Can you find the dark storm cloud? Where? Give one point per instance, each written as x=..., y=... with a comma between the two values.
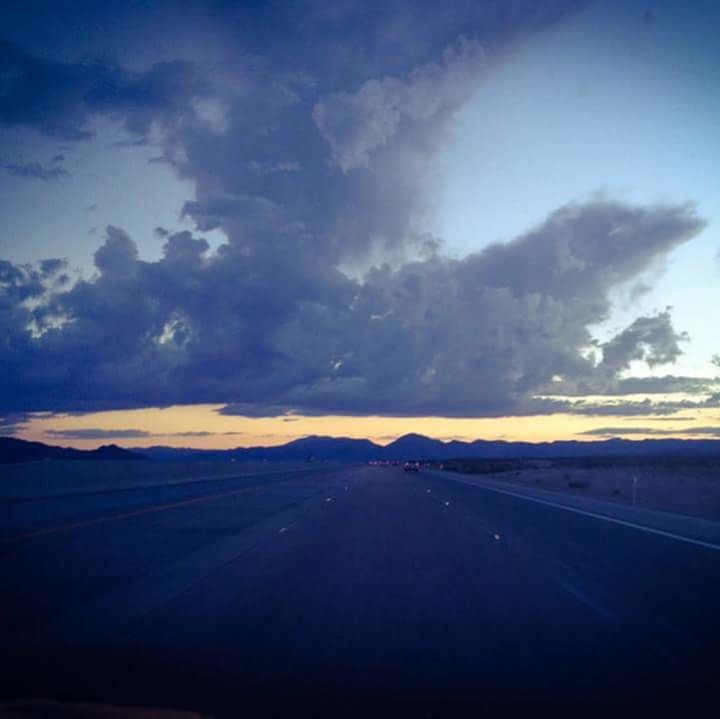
x=347, y=41
x=478, y=336
x=328, y=294
x=357, y=124
x=323, y=147
x=36, y=170
x=60, y=98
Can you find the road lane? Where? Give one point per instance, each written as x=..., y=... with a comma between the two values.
x=682, y=528
x=26, y=516
x=105, y=551
x=119, y=516
x=398, y=594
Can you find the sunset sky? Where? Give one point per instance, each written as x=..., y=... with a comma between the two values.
x=241, y=223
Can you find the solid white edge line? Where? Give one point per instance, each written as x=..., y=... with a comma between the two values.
x=624, y=523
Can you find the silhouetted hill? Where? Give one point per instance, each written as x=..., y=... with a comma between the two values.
x=19, y=450
x=410, y=446
x=315, y=448
x=416, y=446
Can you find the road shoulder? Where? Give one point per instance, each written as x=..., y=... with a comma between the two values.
x=702, y=532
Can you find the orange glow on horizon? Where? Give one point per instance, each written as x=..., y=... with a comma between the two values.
x=202, y=427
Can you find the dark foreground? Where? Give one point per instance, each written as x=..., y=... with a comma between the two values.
x=357, y=592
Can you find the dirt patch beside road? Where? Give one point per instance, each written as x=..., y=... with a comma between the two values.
x=675, y=485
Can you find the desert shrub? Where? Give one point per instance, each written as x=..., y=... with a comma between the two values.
x=578, y=484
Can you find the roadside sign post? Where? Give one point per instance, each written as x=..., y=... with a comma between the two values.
x=634, y=492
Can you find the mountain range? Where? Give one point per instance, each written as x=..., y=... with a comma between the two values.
x=409, y=446
x=417, y=446
x=13, y=450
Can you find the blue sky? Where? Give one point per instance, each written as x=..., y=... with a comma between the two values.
x=74, y=210
x=608, y=104
x=297, y=210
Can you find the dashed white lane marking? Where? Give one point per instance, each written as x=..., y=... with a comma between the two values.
x=595, y=515
x=428, y=491
x=496, y=537
x=447, y=504
x=329, y=499
x=282, y=529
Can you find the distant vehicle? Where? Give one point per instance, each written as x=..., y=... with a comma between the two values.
x=411, y=466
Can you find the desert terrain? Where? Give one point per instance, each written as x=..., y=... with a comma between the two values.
x=681, y=485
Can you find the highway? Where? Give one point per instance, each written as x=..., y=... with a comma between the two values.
x=358, y=591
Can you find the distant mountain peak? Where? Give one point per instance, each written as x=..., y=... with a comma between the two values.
x=414, y=436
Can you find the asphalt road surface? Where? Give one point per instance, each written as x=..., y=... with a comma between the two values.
x=364, y=591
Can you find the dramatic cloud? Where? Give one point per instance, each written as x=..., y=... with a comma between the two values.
x=478, y=336
x=356, y=124
x=326, y=149
x=651, y=339
x=328, y=293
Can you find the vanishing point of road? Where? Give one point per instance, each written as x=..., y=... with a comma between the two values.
x=359, y=591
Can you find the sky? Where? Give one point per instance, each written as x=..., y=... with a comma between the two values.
x=241, y=223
